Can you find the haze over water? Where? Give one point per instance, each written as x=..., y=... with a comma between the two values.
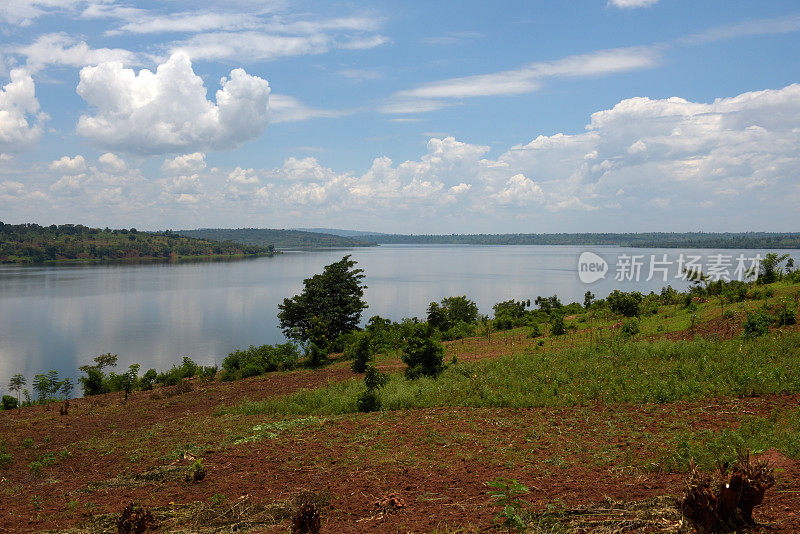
x=60, y=317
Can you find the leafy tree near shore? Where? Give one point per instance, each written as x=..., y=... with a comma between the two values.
x=360, y=352
x=94, y=383
x=335, y=298
x=423, y=355
x=16, y=384
x=626, y=304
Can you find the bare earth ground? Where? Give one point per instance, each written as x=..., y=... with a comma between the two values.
x=436, y=461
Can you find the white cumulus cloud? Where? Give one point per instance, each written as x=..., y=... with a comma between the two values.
x=167, y=110
x=68, y=165
x=185, y=164
x=20, y=116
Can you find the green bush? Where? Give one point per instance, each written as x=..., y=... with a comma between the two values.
x=626, y=304
x=756, y=325
x=6, y=458
x=94, y=383
x=255, y=361
x=786, y=316
x=459, y=331
x=423, y=355
x=503, y=322
x=557, y=325
x=535, y=331
x=9, y=402
x=148, y=379
x=369, y=400
x=359, y=352
x=630, y=327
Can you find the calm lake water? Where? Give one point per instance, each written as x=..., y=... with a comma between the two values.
x=60, y=317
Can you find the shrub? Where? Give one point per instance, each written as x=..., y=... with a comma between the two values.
x=147, y=380
x=786, y=316
x=369, y=400
x=630, y=327
x=557, y=325
x=94, y=382
x=9, y=402
x=6, y=458
x=360, y=352
x=510, y=308
x=626, y=304
x=459, y=331
x=259, y=360
x=423, y=355
x=451, y=311
x=535, y=331
x=503, y=322
x=756, y=325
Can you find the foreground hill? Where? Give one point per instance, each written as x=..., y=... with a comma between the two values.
x=31, y=243
x=601, y=427
x=281, y=239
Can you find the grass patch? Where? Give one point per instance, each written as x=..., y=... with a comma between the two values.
x=781, y=431
x=621, y=371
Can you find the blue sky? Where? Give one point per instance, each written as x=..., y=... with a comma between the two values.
x=592, y=115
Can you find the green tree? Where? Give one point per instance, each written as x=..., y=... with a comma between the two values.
x=437, y=317
x=66, y=388
x=769, y=268
x=359, y=352
x=588, y=298
x=41, y=385
x=95, y=383
x=460, y=309
x=129, y=379
x=423, y=355
x=557, y=324
x=623, y=303
x=369, y=400
x=16, y=383
x=451, y=311
x=335, y=297
x=55, y=383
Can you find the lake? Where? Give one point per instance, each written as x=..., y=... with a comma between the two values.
x=60, y=317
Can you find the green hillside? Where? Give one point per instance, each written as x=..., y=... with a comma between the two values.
x=31, y=243
x=280, y=239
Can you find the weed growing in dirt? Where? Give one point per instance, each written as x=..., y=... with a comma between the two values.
x=706, y=448
x=507, y=495
x=6, y=458
x=197, y=472
x=272, y=430
x=47, y=460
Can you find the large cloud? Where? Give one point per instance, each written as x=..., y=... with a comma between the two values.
x=167, y=111
x=644, y=164
x=20, y=119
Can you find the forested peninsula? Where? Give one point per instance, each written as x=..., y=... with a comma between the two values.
x=31, y=243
